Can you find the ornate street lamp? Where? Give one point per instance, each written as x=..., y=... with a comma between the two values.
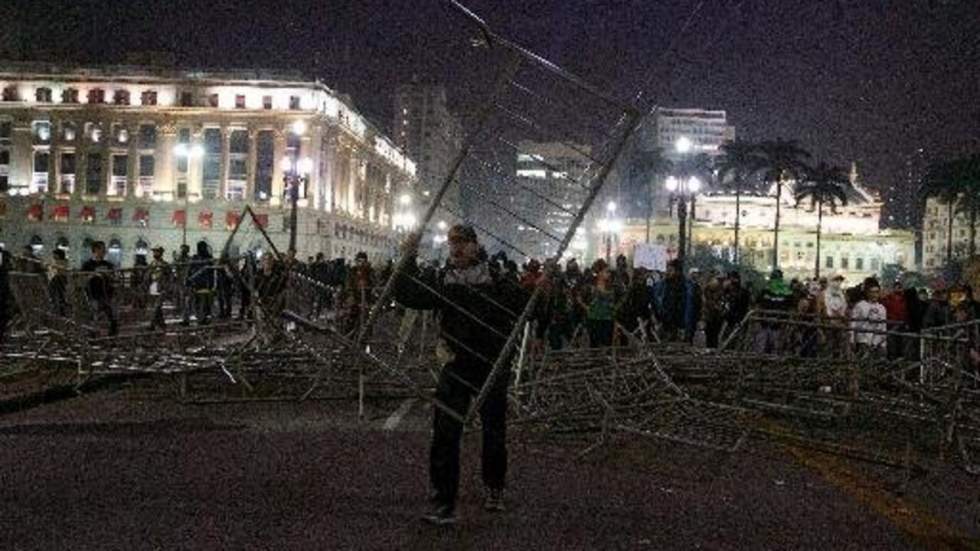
x=681, y=190
x=295, y=174
x=187, y=152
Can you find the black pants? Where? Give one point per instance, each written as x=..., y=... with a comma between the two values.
x=459, y=382
x=600, y=333
x=105, y=308
x=712, y=330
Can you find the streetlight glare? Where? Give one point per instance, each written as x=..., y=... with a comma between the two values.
x=286, y=164
x=671, y=183
x=443, y=225
x=299, y=128
x=694, y=184
x=611, y=206
x=305, y=166
x=405, y=199
x=683, y=144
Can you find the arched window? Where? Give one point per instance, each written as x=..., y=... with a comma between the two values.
x=37, y=244
x=62, y=243
x=114, y=252
x=142, y=247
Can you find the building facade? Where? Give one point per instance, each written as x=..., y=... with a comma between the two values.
x=938, y=235
x=432, y=136
x=851, y=242
x=551, y=177
x=140, y=157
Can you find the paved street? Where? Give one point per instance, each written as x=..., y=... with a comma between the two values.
x=122, y=469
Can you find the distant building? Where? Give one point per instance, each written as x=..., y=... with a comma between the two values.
x=425, y=129
x=137, y=156
x=936, y=236
x=552, y=177
x=851, y=242
x=678, y=133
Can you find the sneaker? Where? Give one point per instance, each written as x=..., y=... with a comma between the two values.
x=441, y=515
x=494, y=501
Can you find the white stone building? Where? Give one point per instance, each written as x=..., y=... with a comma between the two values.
x=141, y=156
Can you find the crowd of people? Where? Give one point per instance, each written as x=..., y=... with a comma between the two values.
x=597, y=306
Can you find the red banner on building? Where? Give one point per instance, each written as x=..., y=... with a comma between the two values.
x=60, y=213
x=141, y=215
x=179, y=218
x=262, y=220
x=231, y=219
x=205, y=219
x=35, y=212
x=114, y=214
x=88, y=215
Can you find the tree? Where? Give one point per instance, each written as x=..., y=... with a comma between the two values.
x=781, y=160
x=823, y=184
x=940, y=182
x=647, y=165
x=739, y=160
x=966, y=178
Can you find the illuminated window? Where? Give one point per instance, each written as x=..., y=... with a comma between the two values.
x=68, y=131
x=42, y=132
x=69, y=95
x=42, y=95
x=67, y=173
x=120, y=173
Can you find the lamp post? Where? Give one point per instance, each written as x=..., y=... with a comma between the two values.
x=187, y=152
x=681, y=189
x=295, y=173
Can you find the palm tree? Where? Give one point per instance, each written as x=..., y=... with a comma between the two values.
x=824, y=184
x=647, y=165
x=940, y=182
x=739, y=160
x=966, y=174
x=781, y=160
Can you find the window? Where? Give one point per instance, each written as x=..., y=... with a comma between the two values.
x=266, y=102
x=93, y=131
x=4, y=170
x=237, y=165
x=120, y=97
x=148, y=97
x=845, y=263
x=41, y=131
x=213, y=100
x=264, y=164
x=93, y=174
x=39, y=182
x=96, y=95
x=211, y=185
x=42, y=95
x=294, y=103
x=186, y=99
x=67, y=173
x=10, y=93
x=875, y=264
x=5, y=128
x=120, y=134
x=68, y=131
x=240, y=101
x=147, y=166
x=69, y=95
x=829, y=262
x=120, y=173
x=184, y=139
x=859, y=263
x=114, y=252
x=148, y=136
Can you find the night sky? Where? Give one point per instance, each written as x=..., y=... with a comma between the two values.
x=860, y=80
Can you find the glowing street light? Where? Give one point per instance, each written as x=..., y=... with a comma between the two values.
x=405, y=200
x=683, y=144
x=298, y=127
x=187, y=152
x=294, y=173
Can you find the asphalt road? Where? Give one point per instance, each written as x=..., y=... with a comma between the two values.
x=123, y=469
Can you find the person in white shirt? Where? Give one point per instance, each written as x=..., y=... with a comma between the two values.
x=832, y=307
x=869, y=315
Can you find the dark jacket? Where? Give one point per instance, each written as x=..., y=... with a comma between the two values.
x=100, y=284
x=477, y=310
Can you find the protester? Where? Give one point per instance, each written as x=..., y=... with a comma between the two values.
x=100, y=285
x=475, y=318
x=869, y=315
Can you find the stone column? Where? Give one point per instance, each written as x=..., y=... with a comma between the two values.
x=225, y=151
x=164, y=178
x=329, y=173
x=306, y=150
x=279, y=153
x=21, y=154
x=252, y=167
x=133, y=170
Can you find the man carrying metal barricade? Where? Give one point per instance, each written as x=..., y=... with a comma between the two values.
x=477, y=312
